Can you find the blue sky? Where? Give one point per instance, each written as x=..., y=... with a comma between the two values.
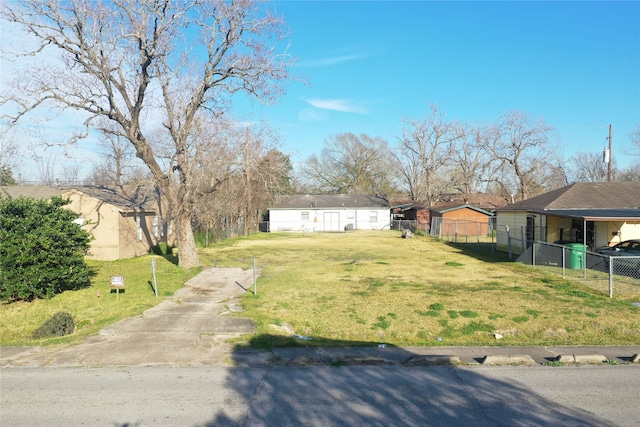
x=370, y=64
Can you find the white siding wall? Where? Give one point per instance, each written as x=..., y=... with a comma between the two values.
x=310, y=220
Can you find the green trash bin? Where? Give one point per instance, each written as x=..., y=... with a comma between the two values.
x=575, y=256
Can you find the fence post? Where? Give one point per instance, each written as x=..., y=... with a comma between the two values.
x=564, y=274
x=611, y=261
x=153, y=270
x=255, y=286
x=533, y=253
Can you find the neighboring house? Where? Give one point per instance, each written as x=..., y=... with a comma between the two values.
x=459, y=219
x=329, y=212
x=595, y=213
x=125, y=222
x=472, y=207
x=409, y=210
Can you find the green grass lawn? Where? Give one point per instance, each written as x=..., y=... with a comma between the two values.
x=95, y=307
x=358, y=288
x=374, y=287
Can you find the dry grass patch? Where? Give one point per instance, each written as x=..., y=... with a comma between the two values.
x=371, y=287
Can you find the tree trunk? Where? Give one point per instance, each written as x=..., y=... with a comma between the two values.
x=187, y=251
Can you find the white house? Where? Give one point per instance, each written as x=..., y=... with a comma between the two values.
x=594, y=213
x=330, y=213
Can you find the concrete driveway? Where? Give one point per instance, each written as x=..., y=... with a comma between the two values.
x=190, y=328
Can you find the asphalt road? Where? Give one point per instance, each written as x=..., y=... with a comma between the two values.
x=321, y=396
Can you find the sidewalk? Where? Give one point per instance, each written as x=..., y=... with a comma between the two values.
x=191, y=329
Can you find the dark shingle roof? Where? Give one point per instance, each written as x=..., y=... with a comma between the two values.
x=481, y=200
x=328, y=201
x=142, y=198
x=139, y=198
x=584, y=195
x=37, y=192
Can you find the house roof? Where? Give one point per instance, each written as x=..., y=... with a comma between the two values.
x=454, y=206
x=134, y=198
x=139, y=198
x=590, y=201
x=584, y=195
x=487, y=202
x=481, y=200
x=31, y=191
x=328, y=201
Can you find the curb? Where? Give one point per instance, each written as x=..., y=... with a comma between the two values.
x=360, y=361
x=430, y=360
x=582, y=358
x=517, y=359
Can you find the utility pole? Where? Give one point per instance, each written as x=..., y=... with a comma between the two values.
x=610, y=156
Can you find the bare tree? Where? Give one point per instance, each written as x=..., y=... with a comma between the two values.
x=239, y=173
x=70, y=174
x=630, y=173
x=635, y=140
x=116, y=160
x=524, y=154
x=426, y=147
x=350, y=163
x=46, y=169
x=8, y=157
x=264, y=172
x=137, y=63
x=413, y=177
x=472, y=163
x=588, y=166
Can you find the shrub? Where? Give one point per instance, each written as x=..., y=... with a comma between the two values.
x=58, y=325
x=41, y=249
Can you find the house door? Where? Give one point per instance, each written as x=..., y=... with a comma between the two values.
x=331, y=221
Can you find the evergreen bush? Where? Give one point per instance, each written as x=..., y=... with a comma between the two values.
x=58, y=325
x=41, y=249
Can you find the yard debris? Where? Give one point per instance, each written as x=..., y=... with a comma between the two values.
x=302, y=337
x=498, y=336
x=407, y=234
x=285, y=327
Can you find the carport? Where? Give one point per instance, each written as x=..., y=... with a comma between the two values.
x=593, y=227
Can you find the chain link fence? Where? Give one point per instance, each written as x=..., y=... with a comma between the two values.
x=603, y=273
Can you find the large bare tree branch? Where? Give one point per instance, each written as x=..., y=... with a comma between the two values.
x=141, y=62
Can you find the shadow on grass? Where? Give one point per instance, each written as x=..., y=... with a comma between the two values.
x=166, y=252
x=482, y=251
x=270, y=341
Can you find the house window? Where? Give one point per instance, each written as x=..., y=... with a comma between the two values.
x=373, y=216
x=138, y=227
x=304, y=215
